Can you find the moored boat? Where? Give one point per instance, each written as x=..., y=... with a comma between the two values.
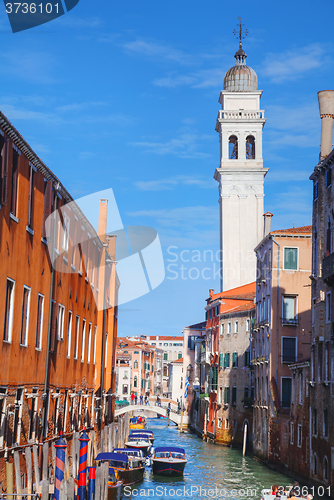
x=114, y=486
x=143, y=432
x=127, y=471
x=140, y=442
x=132, y=453
x=169, y=461
x=137, y=422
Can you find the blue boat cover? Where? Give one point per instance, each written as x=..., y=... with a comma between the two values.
x=112, y=456
x=127, y=450
x=136, y=436
x=169, y=448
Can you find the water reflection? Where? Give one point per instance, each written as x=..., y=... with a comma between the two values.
x=211, y=472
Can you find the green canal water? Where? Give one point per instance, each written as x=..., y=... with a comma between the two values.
x=212, y=471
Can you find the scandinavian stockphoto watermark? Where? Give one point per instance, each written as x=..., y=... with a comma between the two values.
x=78, y=232
x=31, y=13
x=191, y=491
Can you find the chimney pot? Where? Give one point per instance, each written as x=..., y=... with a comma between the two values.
x=326, y=108
x=267, y=223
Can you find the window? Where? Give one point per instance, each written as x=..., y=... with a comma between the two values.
x=165, y=356
x=227, y=360
x=69, y=334
x=66, y=231
x=60, y=325
x=135, y=364
x=76, y=343
x=125, y=376
x=313, y=363
x=327, y=362
x=235, y=360
x=314, y=423
x=3, y=395
x=226, y=424
x=89, y=341
x=325, y=424
x=325, y=471
x=217, y=310
x=247, y=358
x=299, y=434
x=106, y=352
x=25, y=316
x=328, y=307
x=328, y=177
x=328, y=239
x=229, y=327
x=222, y=329
x=179, y=355
x=226, y=395
x=135, y=381
x=236, y=326
x=290, y=258
x=320, y=365
x=234, y=395
x=315, y=190
x=301, y=387
x=286, y=392
x=18, y=416
x=315, y=464
x=247, y=325
x=33, y=415
x=289, y=310
x=233, y=147
x=31, y=196
x=289, y=349
x=250, y=148
x=291, y=432
x=3, y=169
x=15, y=175
x=95, y=339
x=125, y=388
x=39, y=324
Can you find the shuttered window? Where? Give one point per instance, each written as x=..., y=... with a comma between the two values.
x=235, y=360
x=226, y=395
x=221, y=360
x=234, y=395
x=53, y=326
x=15, y=175
x=290, y=258
x=31, y=196
x=227, y=360
x=47, y=209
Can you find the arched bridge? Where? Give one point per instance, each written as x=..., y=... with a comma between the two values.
x=159, y=410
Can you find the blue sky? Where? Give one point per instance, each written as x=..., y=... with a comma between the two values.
x=124, y=95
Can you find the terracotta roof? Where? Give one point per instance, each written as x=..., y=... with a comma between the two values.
x=242, y=308
x=294, y=230
x=163, y=337
x=178, y=360
x=244, y=292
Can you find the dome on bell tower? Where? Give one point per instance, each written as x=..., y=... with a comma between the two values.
x=240, y=78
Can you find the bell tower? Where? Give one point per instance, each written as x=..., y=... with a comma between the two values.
x=241, y=173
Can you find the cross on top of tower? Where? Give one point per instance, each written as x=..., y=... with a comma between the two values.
x=240, y=33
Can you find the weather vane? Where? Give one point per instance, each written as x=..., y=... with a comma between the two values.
x=239, y=33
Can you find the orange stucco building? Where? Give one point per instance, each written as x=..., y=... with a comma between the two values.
x=58, y=323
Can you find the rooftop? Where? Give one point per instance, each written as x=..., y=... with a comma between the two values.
x=294, y=230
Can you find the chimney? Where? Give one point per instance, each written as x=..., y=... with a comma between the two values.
x=267, y=223
x=211, y=292
x=326, y=108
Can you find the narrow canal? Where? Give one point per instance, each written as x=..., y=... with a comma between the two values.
x=212, y=471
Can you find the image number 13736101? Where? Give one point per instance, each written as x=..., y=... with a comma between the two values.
x=32, y=13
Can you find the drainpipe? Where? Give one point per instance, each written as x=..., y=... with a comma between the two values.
x=277, y=311
x=105, y=245
x=53, y=227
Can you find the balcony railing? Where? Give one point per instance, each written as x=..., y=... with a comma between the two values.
x=328, y=269
x=290, y=321
x=240, y=115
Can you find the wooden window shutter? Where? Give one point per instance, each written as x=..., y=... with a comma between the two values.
x=53, y=327
x=31, y=196
x=47, y=209
x=15, y=174
x=4, y=145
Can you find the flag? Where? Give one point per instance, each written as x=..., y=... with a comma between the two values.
x=186, y=385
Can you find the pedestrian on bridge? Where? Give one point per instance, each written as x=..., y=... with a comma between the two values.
x=136, y=399
x=132, y=398
x=141, y=399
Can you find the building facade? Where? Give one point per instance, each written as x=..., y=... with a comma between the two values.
x=57, y=354
x=321, y=397
x=281, y=336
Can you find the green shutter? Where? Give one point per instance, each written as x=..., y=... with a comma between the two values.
x=226, y=395
x=227, y=360
x=290, y=258
x=235, y=359
x=221, y=360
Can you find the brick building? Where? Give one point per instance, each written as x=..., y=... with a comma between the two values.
x=57, y=345
x=228, y=385
x=322, y=351
x=281, y=336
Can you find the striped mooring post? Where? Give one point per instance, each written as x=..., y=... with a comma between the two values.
x=82, y=486
x=60, y=463
x=83, y=451
x=91, y=483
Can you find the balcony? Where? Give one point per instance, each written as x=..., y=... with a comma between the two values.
x=328, y=269
x=205, y=358
x=289, y=321
x=240, y=114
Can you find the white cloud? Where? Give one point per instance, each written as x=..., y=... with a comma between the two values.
x=294, y=63
x=35, y=66
x=159, y=51
x=185, y=146
x=183, y=217
x=206, y=78
x=166, y=184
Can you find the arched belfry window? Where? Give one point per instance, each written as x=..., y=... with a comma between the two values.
x=250, y=147
x=233, y=147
